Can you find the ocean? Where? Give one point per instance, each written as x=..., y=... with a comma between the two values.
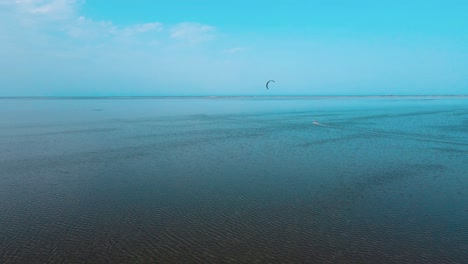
x=234, y=180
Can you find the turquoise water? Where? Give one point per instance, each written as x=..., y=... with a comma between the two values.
x=234, y=180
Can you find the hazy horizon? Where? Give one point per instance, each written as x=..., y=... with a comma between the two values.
x=242, y=95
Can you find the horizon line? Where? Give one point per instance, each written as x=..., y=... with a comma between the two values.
x=228, y=96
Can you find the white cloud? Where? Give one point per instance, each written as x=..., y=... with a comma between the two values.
x=86, y=28
x=51, y=9
x=7, y=2
x=142, y=28
x=51, y=44
x=63, y=17
x=234, y=50
x=192, y=32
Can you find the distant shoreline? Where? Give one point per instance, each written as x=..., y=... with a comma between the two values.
x=242, y=97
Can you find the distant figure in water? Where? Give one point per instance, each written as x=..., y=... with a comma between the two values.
x=319, y=124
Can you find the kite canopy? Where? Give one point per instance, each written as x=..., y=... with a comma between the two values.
x=269, y=83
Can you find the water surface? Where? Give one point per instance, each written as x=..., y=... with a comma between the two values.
x=234, y=180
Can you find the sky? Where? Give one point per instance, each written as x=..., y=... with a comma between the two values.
x=201, y=47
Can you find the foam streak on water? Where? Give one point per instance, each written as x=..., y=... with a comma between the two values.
x=234, y=180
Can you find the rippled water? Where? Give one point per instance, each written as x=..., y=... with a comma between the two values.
x=234, y=180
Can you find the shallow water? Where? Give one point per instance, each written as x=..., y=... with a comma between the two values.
x=234, y=180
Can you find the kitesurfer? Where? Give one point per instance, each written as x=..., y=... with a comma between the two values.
x=269, y=83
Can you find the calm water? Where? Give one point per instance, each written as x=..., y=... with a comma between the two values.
x=234, y=180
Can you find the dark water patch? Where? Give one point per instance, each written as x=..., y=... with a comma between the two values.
x=457, y=128
x=124, y=153
x=421, y=137
x=395, y=134
x=403, y=171
x=65, y=132
x=274, y=115
x=33, y=125
x=352, y=120
x=460, y=114
x=356, y=184
x=175, y=220
x=187, y=223
x=337, y=139
x=239, y=127
x=451, y=150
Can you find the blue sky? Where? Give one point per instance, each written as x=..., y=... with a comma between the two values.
x=201, y=47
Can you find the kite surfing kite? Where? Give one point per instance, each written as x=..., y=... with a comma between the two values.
x=269, y=83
